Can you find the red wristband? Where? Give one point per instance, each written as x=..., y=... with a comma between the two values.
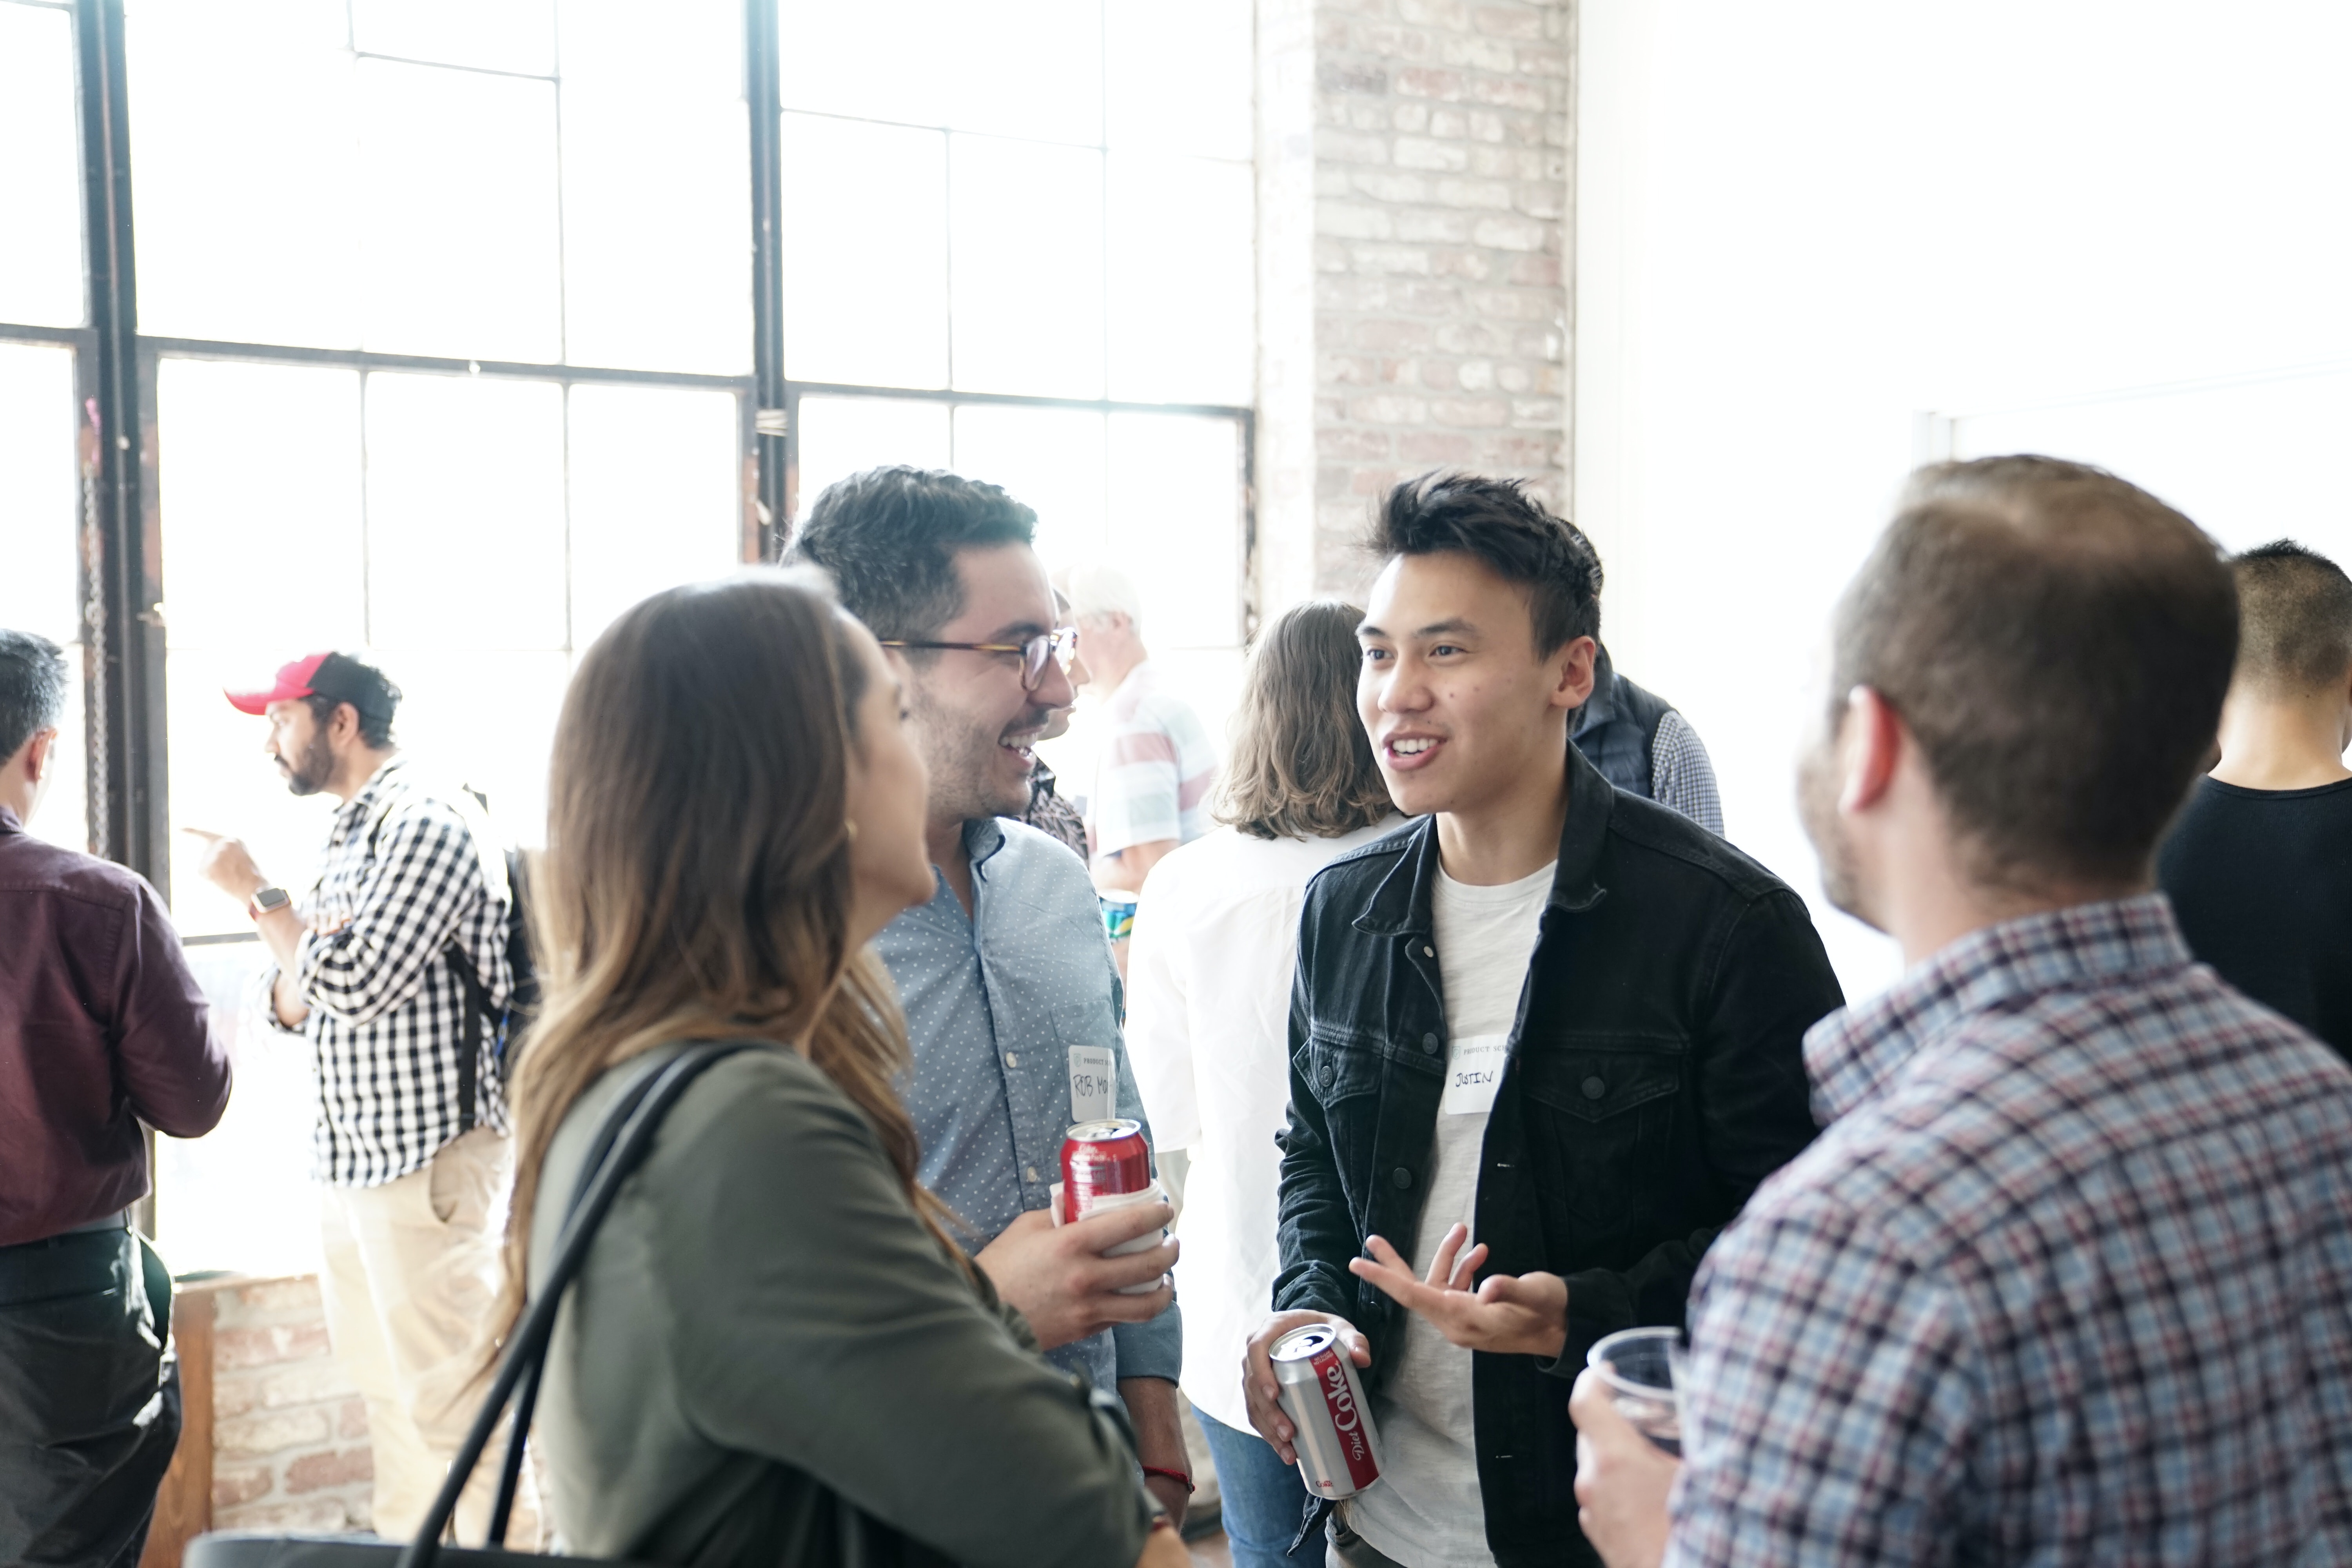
x=1177, y=1476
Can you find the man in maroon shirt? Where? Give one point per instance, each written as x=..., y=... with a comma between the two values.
x=101, y=1028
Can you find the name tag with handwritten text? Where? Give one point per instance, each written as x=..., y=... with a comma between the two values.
x=1473, y=1072
x=1092, y=1087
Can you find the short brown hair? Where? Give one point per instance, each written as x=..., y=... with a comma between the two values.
x=2059, y=642
x=2294, y=618
x=1302, y=766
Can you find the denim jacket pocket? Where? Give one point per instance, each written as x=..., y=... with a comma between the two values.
x=1601, y=1122
x=1344, y=1072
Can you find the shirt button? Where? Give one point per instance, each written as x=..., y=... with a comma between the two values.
x=1594, y=1089
x=1401, y=1177
x=1028, y=1172
x=1429, y=1044
x=1013, y=1059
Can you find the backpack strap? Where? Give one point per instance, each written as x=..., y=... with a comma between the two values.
x=627, y=1131
x=470, y=1033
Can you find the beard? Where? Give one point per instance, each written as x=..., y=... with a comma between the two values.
x=309, y=775
x=963, y=758
x=1817, y=804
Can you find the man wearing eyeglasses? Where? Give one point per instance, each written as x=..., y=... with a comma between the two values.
x=1010, y=999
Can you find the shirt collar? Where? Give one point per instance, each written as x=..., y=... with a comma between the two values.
x=354, y=810
x=982, y=838
x=1857, y=1053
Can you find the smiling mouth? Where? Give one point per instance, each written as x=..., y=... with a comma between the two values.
x=1410, y=751
x=1023, y=745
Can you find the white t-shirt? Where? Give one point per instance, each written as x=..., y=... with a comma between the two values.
x=1208, y=1031
x=1426, y=1512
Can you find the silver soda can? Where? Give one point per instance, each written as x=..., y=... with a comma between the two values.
x=1338, y=1448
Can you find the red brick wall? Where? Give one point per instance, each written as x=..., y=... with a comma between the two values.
x=290, y=1433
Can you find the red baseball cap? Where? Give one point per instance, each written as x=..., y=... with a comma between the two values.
x=334, y=674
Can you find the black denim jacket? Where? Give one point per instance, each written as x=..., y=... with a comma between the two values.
x=1655, y=1076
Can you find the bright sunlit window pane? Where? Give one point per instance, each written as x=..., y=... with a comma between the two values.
x=655, y=500
x=487, y=719
x=40, y=186
x=1025, y=67
x=1051, y=459
x=464, y=508
x=875, y=62
x=491, y=34
x=1176, y=525
x=1182, y=293
x=248, y=156
x=1026, y=227
x=1179, y=76
x=39, y=514
x=866, y=253
x=843, y=435
x=657, y=221
x=261, y=500
x=458, y=244
x=262, y=564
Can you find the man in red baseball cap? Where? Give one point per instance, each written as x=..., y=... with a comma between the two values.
x=393, y=966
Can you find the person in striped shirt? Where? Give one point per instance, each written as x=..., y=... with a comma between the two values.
x=1157, y=765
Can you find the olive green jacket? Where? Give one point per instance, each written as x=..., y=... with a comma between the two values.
x=767, y=1359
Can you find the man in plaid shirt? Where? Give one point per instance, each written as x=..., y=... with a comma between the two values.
x=380, y=964
x=2069, y=1277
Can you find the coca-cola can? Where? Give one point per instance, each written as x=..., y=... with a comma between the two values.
x=1100, y=1160
x=1338, y=1448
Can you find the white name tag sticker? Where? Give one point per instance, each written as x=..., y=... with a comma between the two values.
x=1473, y=1073
x=1092, y=1086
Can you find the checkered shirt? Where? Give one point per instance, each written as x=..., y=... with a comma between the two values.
x=405, y=870
x=1682, y=774
x=2068, y=1279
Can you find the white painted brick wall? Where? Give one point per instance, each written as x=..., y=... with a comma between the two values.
x=1434, y=137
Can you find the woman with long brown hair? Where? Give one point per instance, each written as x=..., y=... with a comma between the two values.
x=775, y=1354
x=1216, y=937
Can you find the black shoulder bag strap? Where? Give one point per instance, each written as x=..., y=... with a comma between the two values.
x=469, y=1034
x=622, y=1141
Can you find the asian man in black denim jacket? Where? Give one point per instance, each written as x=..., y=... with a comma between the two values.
x=1549, y=1018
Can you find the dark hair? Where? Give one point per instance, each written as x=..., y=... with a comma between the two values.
x=888, y=536
x=2294, y=618
x=375, y=729
x=2059, y=642
x=1497, y=522
x=1302, y=766
x=32, y=688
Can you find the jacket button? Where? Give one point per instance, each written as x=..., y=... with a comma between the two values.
x=1330, y=1071
x=1427, y=951
x=1429, y=1044
x=1401, y=1176
x=1594, y=1089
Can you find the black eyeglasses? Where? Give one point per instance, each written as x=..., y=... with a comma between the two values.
x=1058, y=644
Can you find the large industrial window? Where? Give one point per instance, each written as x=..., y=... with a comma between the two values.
x=450, y=330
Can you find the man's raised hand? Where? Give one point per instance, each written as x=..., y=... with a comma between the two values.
x=1509, y=1315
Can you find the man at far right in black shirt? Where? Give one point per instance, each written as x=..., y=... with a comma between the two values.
x=2259, y=867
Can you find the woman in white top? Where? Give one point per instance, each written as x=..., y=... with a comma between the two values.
x=1216, y=938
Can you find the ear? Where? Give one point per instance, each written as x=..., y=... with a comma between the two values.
x=38, y=751
x=1571, y=668
x=1870, y=743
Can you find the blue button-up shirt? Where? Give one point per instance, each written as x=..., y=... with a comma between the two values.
x=993, y=1005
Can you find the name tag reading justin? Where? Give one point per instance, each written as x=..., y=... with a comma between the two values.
x=1473, y=1073
x=1092, y=1086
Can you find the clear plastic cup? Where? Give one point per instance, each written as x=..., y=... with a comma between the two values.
x=1643, y=1370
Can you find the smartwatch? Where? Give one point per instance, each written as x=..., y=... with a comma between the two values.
x=269, y=899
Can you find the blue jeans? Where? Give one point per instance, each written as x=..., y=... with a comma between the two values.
x=1264, y=1501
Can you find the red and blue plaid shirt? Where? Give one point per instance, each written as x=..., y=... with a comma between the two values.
x=2068, y=1279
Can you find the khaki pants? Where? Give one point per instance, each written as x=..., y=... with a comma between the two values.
x=412, y=1271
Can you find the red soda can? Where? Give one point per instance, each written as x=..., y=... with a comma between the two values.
x=1101, y=1160
x=1338, y=1448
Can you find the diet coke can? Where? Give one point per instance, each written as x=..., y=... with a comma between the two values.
x=1338, y=1448
x=1102, y=1159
